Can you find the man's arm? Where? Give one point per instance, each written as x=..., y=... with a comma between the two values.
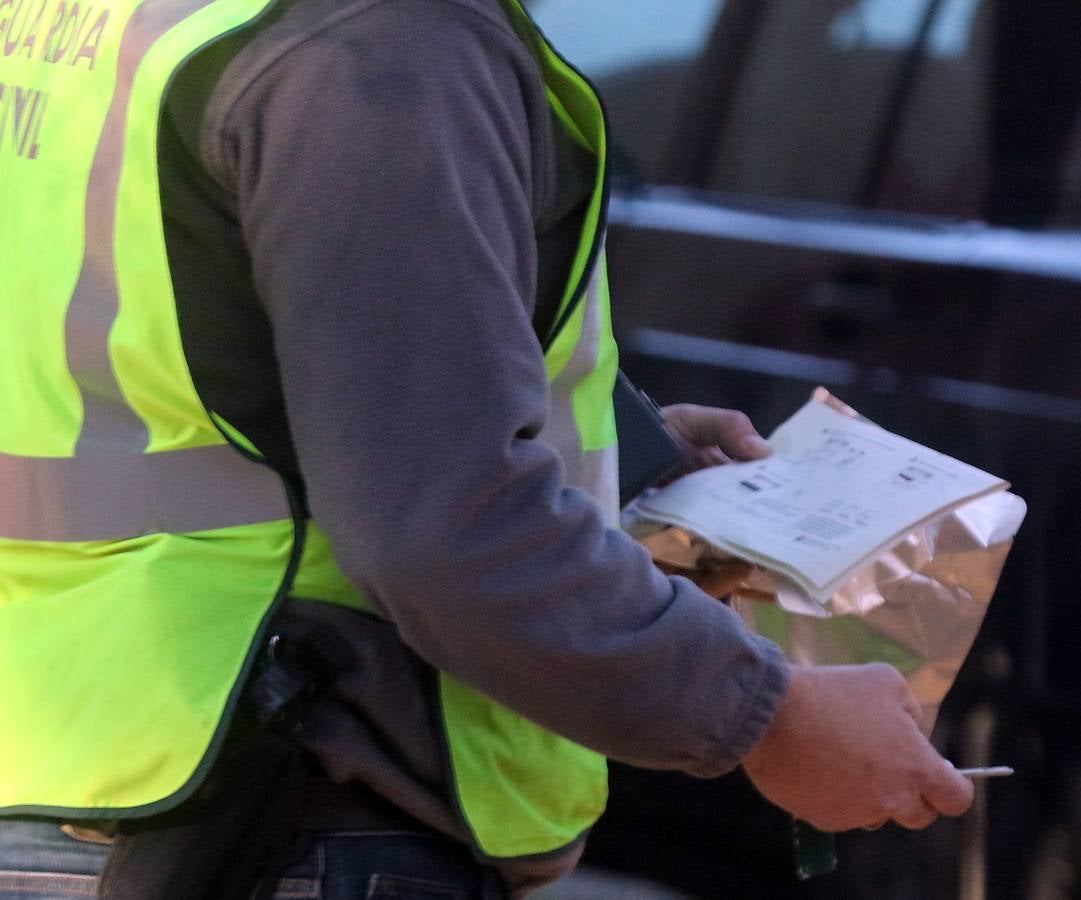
x=388, y=174
x=388, y=195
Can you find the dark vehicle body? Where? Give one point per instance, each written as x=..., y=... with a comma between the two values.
x=879, y=197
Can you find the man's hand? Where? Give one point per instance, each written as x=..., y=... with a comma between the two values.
x=717, y=578
x=709, y=437
x=845, y=751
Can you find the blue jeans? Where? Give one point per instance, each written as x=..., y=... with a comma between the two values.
x=38, y=861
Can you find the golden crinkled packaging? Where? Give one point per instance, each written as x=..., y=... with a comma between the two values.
x=917, y=607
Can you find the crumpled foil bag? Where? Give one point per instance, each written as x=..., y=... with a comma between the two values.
x=917, y=607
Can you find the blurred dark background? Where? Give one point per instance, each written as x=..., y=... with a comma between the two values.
x=878, y=196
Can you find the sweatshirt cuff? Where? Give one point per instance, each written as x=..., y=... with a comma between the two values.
x=764, y=696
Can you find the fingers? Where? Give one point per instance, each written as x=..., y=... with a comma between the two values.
x=724, y=578
x=731, y=432
x=916, y=815
x=946, y=791
x=845, y=751
x=934, y=788
x=719, y=580
x=938, y=788
x=946, y=794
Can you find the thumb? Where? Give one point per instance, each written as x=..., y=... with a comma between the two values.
x=704, y=426
x=912, y=706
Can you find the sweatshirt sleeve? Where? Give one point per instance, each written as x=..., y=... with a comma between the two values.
x=388, y=171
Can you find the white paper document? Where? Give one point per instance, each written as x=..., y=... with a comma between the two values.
x=836, y=493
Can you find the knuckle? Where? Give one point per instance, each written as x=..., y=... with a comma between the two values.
x=738, y=421
x=895, y=806
x=886, y=679
x=932, y=774
x=887, y=806
x=673, y=415
x=883, y=671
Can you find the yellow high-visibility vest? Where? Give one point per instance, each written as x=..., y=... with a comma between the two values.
x=144, y=543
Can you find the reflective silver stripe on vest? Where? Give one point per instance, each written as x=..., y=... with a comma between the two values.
x=596, y=471
x=109, y=423
x=599, y=469
x=91, y=498
x=111, y=489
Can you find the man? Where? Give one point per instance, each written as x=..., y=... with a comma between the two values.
x=364, y=364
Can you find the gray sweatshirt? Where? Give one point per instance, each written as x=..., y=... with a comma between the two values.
x=369, y=209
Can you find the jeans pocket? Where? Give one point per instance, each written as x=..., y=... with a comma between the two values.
x=402, y=887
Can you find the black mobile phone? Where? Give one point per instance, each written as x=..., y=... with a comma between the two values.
x=647, y=452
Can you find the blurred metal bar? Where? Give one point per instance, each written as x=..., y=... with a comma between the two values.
x=684, y=348
x=1002, y=399
x=724, y=354
x=854, y=232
